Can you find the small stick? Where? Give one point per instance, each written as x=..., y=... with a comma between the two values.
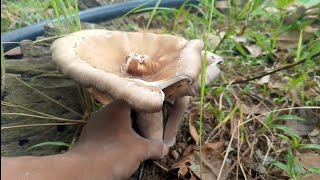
x=264, y=74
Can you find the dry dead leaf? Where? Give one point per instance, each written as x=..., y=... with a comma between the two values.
x=264, y=80
x=192, y=129
x=193, y=177
x=309, y=160
x=183, y=171
x=314, y=136
x=189, y=150
x=215, y=146
x=175, y=154
x=14, y=52
x=239, y=39
x=290, y=39
x=214, y=39
x=254, y=50
x=303, y=128
x=222, y=4
x=212, y=160
x=263, y=159
x=254, y=109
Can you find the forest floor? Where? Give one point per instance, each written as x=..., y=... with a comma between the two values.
x=261, y=118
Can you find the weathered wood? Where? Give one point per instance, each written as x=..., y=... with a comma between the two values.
x=43, y=76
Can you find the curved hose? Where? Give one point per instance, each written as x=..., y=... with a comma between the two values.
x=94, y=15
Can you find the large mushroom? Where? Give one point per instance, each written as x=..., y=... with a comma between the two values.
x=179, y=100
x=141, y=69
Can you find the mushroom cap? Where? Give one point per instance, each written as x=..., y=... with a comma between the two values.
x=125, y=65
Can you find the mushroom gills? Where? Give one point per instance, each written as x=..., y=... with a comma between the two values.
x=162, y=84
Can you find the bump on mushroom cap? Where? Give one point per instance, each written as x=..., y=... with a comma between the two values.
x=190, y=59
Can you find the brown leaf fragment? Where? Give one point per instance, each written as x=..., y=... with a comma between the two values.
x=314, y=136
x=188, y=150
x=183, y=171
x=234, y=124
x=254, y=109
x=193, y=177
x=303, y=128
x=192, y=130
x=254, y=50
x=214, y=39
x=211, y=159
x=14, y=52
x=181, y=163
x=264, y=80
x=175, y=154
x=309, y=160
x=211, y=164
x=290, y=39
x=215, y=146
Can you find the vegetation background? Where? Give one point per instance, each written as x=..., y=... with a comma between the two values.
x=261, y=119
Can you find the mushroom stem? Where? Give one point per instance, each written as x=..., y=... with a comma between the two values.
x=150, y=125
x=175, y=115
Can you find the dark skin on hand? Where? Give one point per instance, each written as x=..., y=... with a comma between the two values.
x=108, y=148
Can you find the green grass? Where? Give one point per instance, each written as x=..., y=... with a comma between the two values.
x=294, y=169
x=66, y=9
x=61, y=144
x=20, y=13
x=3, y=65
x=209, y=12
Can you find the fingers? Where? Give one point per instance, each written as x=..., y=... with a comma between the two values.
x=154, y=149
x=112, y=120
x=115, y=114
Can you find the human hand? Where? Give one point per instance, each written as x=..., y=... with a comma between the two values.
x=108, y=148
x=111, y=144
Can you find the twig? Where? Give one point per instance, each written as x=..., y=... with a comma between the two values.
x=160, y=166
x=49, y=97
x=141, y=171
x=44, y=117
x=264, y=74
x=33, y=125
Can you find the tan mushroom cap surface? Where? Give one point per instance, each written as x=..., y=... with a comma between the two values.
x=123, y=64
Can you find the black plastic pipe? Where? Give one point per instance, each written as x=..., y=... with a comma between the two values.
x=94, y=15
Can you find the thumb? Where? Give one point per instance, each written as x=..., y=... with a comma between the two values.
x=154, y=149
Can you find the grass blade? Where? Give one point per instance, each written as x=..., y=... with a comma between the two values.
x=310, y=146
x=49, y=97
x=153, y=13
x=289, y=117
x=50, y=144
x=36, y=125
